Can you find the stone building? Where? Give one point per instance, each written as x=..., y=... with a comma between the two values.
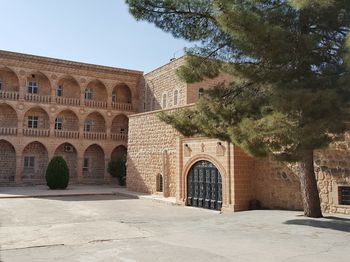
x=53, y=107
x=213, y=174
x=89, y=114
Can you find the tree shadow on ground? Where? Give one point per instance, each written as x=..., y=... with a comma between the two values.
x=330, y=222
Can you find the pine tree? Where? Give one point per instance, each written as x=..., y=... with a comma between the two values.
x=290, y=90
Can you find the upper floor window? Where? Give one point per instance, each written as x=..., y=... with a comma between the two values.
x=87, y=125
x=32, y=87
x=59, y=91
x=176, y=97
x=88, y=94
x=58, y=123
x=33, y=121
x=200, y=92
x=164, y=100
x=114, y=97
x=0, y=85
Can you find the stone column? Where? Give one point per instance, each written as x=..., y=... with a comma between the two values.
x=80, y=167
x=18, y=178
x=107, y=176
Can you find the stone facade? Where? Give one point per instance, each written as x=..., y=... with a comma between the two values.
x=54, y=107
x=159, y=154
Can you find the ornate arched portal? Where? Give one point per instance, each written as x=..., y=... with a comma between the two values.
x=204, y=186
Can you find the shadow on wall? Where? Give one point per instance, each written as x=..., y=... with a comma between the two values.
x=333, y=223
x=134, y=179
x=151, y=101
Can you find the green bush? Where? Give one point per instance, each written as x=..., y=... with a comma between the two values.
x=57, y=173
x=117, y=168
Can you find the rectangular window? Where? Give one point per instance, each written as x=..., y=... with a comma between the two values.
x=29, y=162
x=86, y=164
x=32, y=87
x=33, y=121
x=344, y=195
x=0, y=85
x=59, y=91
x=114, y=97
x=58, y=123
x=87, y=125
x=88, y=94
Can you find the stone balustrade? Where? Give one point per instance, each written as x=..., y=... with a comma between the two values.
x=93, y=103
x=95, y=135
x=67, y=101
x=8, y=131
x=37, y=98
x=9, y=95
x=67, y=134
x=36, y=132
x=122, y=106
x=119, y=137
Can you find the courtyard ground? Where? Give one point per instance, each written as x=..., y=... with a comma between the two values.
x=118, y=228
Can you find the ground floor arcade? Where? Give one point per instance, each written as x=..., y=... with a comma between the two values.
x=25, y=162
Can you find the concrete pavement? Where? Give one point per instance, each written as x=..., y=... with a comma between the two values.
x=117, y=228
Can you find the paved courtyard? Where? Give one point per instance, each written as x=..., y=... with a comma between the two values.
x=116, y=228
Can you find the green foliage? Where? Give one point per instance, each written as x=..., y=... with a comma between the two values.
x=117, y=168
x=290, y=92
x=57, y=173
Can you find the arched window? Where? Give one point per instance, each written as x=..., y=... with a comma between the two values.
x=159, y=183
x=164, y=100
x=176, y=97
x=200, y=92
x=88, y=94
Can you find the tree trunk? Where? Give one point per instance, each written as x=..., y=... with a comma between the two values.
x=309, y=191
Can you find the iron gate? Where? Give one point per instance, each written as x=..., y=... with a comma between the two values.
x=204, y=186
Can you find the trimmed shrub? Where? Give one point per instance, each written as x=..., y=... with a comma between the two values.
x=117, y=168
x=57, y=173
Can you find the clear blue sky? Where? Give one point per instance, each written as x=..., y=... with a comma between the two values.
x=93, y=31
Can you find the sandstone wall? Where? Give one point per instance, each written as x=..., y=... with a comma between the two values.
x=277, y=185
x=152, y=150
x=164, y=81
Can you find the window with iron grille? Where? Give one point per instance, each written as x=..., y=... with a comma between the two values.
x=344, y=195
x=159, y=183
x=32, y=87
x=33, y=121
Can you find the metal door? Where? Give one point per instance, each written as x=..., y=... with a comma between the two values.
x=204, y=186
